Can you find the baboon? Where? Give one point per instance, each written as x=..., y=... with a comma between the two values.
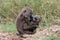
x=31, y=29
x=25, y=14
x=26, y=23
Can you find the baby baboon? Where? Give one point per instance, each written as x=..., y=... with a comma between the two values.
x=31, y=29
x=24, y=14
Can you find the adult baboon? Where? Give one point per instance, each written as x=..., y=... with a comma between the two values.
x=24, y=16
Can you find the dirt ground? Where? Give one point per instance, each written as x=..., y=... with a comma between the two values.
x=53, y=30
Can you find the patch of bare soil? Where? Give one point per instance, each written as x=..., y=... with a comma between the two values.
x=9, y=36
x=53, y=30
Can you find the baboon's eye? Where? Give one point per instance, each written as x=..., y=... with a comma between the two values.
x=24, y=11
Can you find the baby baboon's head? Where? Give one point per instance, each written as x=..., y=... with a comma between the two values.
x=36, y=19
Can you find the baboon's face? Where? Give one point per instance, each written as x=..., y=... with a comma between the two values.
x=36, y=19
